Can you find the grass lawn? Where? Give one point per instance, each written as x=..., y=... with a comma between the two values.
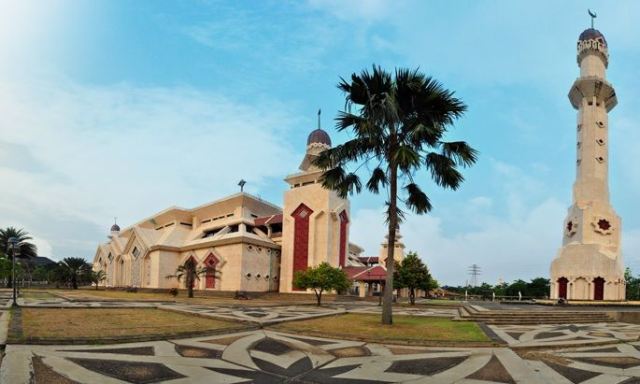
x=412, y=329
x=97, y=323
x=92, y=294
x=36, y=294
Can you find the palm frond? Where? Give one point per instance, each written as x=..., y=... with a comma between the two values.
x=416, y=199
x=460, y=152
x=443, y=170
x=378, y=178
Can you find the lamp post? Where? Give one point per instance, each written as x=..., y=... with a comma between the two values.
x=14, y=248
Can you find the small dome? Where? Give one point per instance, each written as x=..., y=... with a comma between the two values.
x=592, y=34
x=319, y=136
x=115, y=228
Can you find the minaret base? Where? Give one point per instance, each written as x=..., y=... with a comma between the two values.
x=590, y=273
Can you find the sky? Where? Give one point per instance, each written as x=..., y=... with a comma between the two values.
x=121, y=109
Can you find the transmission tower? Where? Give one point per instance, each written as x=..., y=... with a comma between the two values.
x=474, y=271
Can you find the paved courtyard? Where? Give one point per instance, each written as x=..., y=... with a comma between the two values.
x=572, y=353
x=271, y=357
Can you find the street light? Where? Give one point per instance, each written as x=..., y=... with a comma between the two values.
x=14, y=247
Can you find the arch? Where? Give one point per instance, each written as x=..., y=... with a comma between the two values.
x=562, y=287
x=598, y=288
x=194, y=264
x=146, y=268
x=210, y=263
x=118, y=271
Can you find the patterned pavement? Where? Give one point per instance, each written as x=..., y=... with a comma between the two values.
x=563, y=354
x=273, y=357
x=566, y=335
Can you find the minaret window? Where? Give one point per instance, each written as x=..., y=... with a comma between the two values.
x=604, y=224
x=600, y=159
x=579, y=127
x=600, y=141
x=600, y=124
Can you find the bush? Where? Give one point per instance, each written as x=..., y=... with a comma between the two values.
x=173, y=292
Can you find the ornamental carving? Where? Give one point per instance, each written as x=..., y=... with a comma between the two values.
x=571, y=227
x=602, y=225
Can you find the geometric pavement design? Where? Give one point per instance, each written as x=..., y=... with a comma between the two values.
x=274, y=357
x=544, y=335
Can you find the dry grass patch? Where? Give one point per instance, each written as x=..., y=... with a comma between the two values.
x=98, y=323
x=412, y=329
x=118, y=295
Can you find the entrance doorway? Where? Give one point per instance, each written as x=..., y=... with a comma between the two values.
x=598, y=288
x=562, y=287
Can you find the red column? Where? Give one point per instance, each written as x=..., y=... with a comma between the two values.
x=344, y=221
x=301, y=238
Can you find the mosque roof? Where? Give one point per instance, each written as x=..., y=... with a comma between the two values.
x=319, y=136
x=115, y=228
x=592, y=34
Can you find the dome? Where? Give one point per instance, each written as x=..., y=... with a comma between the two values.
x=115, y=228
x=319, y=136
x=592, y=34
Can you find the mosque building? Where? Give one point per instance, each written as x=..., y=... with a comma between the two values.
x=245, y=243
x=589, y=264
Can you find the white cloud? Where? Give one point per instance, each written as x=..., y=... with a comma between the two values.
x=73, y=156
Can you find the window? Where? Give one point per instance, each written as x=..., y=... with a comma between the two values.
x=110, y=257
x=135, y=252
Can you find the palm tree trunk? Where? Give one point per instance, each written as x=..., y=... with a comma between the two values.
x=387, y=302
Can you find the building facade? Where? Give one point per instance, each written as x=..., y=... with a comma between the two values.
x=589, y=264
x=244, y=242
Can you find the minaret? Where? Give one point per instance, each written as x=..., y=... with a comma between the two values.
x=315, y=226
x=589, y=264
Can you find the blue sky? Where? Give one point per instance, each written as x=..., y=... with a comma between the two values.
x=122, y=108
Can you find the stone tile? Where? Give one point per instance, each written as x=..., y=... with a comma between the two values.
x=574, y=375
x=43, y=374
x=494, y=371
x=133, y=372
x=138, y=351
x=425, y=366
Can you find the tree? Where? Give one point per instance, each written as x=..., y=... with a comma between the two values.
x=399, y=124
x=322, y=278
x=632, y=285
x=75, y=270
x=190, y=272
x=412, y=274
x=97, y=277
x=26, y=248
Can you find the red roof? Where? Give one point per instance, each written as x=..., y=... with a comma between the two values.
x=375, y=273
x=266, y=220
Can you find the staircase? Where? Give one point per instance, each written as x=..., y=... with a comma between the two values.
x=528, y=317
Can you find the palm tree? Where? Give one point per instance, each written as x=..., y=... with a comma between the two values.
x=75, y=270
x=399, y=123
x=97, y=277
x=26, y=248
x=190, y=272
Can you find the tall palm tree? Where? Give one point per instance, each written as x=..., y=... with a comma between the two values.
x=26, y=248
x=75, y=270
x=190, y=273
x=399, y=122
